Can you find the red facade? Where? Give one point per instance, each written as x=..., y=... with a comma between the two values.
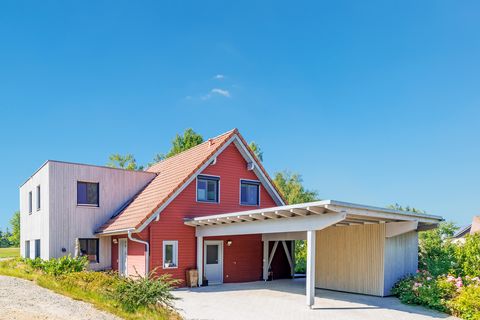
x=242, y=259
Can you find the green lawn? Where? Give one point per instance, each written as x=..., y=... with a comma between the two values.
x=9, y=252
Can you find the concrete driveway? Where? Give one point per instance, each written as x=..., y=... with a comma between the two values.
x=285, y=299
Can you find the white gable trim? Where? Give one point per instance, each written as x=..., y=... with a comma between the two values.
x=245, y=154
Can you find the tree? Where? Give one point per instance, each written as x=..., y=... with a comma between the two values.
x=180, y=143
x=291, y=187
x=396, y=206
x=257, y=150
x=127, y=162
x=14, y=238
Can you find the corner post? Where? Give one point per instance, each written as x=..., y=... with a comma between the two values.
x=200, y=260
x=311, y=238
x=265, y=260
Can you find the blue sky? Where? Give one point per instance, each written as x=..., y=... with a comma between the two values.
x=374, y=102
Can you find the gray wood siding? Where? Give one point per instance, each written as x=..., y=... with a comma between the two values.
x=69, y=221
x=35, y=225
x=351, y=258
x=401, y=258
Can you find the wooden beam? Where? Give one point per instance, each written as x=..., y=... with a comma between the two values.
x=266, y=247
x=257, y=216
x=245, y=218
x=289, y=257
x=270, y=215
x=394, y=229
x=299, y=212
x=285, y=214
x=270, y=259
x=316, y=210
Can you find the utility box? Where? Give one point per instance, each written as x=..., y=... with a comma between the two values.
x=192, y=278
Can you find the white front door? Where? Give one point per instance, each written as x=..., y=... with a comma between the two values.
x=122, y=257
x=213, y=260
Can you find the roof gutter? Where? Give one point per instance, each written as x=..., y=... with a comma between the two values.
x=147, y=251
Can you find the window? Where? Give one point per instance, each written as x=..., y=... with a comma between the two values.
x=250, y=193
x=27, y=249
x=30, y=202
x=89, y=248
x=87, y=194
x=37, y=248
x=38, y=197
x=212, y=254
x=207, y=188
x=170, y=254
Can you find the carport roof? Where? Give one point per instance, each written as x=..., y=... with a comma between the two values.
x=354, y=214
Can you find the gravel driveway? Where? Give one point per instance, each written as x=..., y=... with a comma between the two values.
x=22, y=300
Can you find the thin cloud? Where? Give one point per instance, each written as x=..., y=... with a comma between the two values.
x=219, y=77
x=217, y=92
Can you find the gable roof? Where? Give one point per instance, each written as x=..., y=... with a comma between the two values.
x=173, y=175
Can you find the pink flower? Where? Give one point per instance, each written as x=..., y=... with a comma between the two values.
x=418, y=271
x=429, y=278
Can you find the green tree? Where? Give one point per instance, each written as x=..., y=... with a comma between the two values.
x=436, y=253
x=291, y=187
x=257, y=150
x=14, y=238
x=180, y=143
x=126, y=162
x=396, y=206
x=468, y=255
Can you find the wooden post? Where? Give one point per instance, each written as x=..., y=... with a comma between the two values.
x=200, y=260
x=311, y=267
x=265, y=260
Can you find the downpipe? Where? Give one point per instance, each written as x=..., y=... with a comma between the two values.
x=147, y=251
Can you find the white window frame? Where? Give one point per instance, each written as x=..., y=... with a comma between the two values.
x=39, y=202
x=30, y=202
x=174, y=243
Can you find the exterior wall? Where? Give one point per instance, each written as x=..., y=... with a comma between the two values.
x=35, y=225
x=60, y=221
x=231, y=167
x=401, y=258
x=69, y=221
x=242, y=261
x=351, y=259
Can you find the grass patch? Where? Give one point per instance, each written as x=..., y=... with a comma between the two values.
x=9, y=252
x=96, y=288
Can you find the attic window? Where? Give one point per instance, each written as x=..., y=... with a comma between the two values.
x=207, y=189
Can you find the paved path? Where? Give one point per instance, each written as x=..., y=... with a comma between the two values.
x=21, y=300
x=285, y=299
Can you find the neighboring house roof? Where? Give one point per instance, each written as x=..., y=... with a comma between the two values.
x=462, y=232
x=470, y=229
x=173, y=175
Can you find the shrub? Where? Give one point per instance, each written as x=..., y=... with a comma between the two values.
x=468, y=256
x=145, y=292
x=423, y=289
x=467, y=304
x=104, y=282
x=56, y=267
x=436, y=253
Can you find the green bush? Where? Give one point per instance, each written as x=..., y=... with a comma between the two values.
x=56, y=267
x=423, y=289
x=467, y=304
x=468, y=256
x=436, y=253
x=146, y=292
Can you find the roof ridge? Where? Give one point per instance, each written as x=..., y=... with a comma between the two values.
x=190, y=149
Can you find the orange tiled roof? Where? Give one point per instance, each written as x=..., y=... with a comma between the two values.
x=172, y=173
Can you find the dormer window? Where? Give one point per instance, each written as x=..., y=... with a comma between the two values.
x=208, y=189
